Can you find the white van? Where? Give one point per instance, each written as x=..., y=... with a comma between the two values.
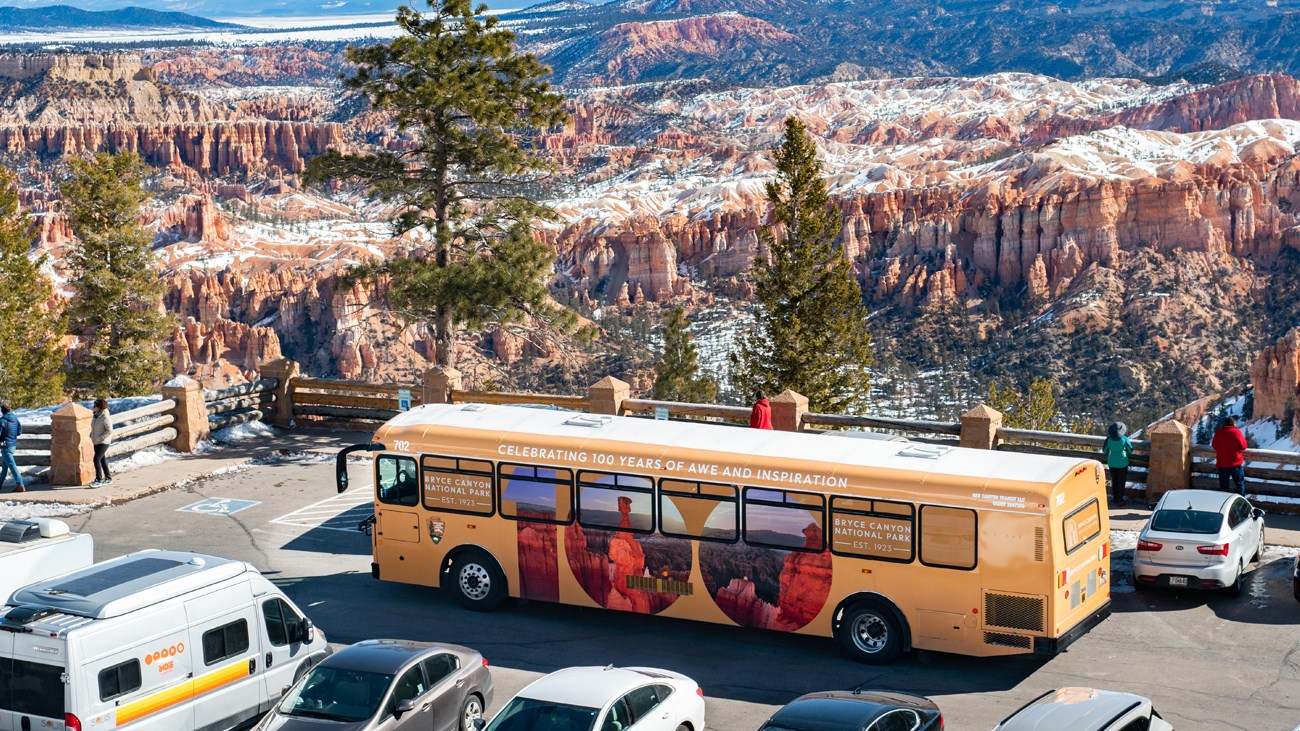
x=151, y=641
x=31, y=550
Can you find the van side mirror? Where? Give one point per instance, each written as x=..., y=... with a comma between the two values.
x=403, y=707
x=306, y=631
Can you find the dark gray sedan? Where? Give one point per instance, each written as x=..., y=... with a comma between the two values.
x=388, y=685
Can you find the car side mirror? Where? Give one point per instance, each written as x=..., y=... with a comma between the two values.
x=479, y=724
x=1257, y=512
x=306, y=631
x=403, y=707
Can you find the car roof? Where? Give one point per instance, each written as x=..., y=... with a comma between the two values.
x=591, y=687
x=386, y=656
x=1210, y=501
x=839, y=710
x=1072, y=709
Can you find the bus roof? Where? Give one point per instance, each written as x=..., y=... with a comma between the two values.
x=741, y=446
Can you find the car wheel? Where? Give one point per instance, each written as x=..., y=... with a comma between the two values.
x=683, y=727
x=870, y=634
x=470, y=710
x=476, y=582
x=1234, y=589
x=1259, y=550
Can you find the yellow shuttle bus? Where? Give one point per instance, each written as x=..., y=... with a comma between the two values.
x=884, y=545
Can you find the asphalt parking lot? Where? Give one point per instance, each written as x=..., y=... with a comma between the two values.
x=1209, y=662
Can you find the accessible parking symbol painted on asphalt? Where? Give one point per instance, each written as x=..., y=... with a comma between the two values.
x=218, y=506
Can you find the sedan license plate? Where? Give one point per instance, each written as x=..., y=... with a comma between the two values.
x=1178, y=581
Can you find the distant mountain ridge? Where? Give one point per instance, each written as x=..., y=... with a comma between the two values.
x=65, y=16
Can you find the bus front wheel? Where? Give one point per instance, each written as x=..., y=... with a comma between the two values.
x=870, y=634
x=476, y=582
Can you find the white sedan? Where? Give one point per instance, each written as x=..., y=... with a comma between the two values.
x=1198, y=539
x=605, y=699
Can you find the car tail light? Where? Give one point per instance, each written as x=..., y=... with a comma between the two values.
x=699, y=691
x=1150, y=546
x=71, y=722
x=1220, y=549
x=485, y=662
x=940, y=722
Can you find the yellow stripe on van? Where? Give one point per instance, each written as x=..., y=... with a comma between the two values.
x=181, y=693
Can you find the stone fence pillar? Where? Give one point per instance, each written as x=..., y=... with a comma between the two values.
x=190, y=413
x=284, y=371
x=1170, y=467
x=788, y=408
x=438, y=383
x=607, y=395
x=979, y=427
x=71, y=454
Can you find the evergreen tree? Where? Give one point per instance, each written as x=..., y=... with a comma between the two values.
x=31, y=323
x=677, y=375
x=1035, y=410
x=455, y=82
x=116, y=306
x=810, y=326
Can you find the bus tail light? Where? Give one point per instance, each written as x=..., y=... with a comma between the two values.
x=1149, y=546
x=1062, y=578
x=1220, y=549
x=1105, y=549
x=71, y=722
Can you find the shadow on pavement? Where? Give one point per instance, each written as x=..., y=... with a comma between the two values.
x=1265, y=599
x=729, y=662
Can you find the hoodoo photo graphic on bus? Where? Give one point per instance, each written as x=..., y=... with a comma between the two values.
x=885, y=545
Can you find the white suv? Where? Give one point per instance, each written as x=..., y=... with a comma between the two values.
x=1085, y=709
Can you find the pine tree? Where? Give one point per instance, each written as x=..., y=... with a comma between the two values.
x=810, y=330
x=116, y=306
x=31, y=321
x=1035, y=409
x=677, y=375
x=455, y=82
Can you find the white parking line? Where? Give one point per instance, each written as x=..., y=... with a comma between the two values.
x=341, y=512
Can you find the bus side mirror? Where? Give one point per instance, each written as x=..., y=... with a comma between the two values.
x=341, y=461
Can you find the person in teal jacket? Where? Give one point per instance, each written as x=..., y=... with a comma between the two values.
x=1117, y=449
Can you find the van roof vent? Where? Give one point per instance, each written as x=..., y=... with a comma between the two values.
x=591, y=421
x=924, y=451
x=28, y=613
x=20, y=531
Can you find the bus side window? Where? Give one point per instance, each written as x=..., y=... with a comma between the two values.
x=543, y=494
x=948, y=537
x=613, y=501
x=703, y=511
x=396, y=481
x=782, y=519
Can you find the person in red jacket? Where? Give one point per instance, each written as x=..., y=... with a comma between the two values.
x=1229, y=455
x=761, y=416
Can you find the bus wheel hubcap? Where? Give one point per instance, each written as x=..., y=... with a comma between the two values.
x=475, y=581
x=870, y=633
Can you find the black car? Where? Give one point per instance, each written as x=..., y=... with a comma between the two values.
x=1295, y=581
x=857, y=710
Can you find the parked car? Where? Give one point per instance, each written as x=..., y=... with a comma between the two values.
x=857, y=710
x=605, y=699
x=1198, y=539
x=1085, y=709
x=387, y=685
x=1295, y=579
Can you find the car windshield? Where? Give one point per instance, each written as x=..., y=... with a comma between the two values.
x=336, y=694
x=1186, y=521
x=527, y=714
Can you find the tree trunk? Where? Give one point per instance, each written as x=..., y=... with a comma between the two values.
x=444, y=338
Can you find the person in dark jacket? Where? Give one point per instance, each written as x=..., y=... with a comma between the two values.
x=761, y=416
x=1229, y=455
x=101, y=436
x=9, y=431
x=1117, y=449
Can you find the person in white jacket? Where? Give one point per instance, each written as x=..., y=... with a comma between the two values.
x=101, y=435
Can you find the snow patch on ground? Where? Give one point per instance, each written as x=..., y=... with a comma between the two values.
x=243, y=433
x=15, y=510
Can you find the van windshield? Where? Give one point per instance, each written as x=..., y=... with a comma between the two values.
x=336, y=694
x=31, y=688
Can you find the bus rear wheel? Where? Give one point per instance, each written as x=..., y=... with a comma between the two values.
x=476, y=582
x=870, y=634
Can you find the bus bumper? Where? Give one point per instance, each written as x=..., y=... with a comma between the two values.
x=1054, y=645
